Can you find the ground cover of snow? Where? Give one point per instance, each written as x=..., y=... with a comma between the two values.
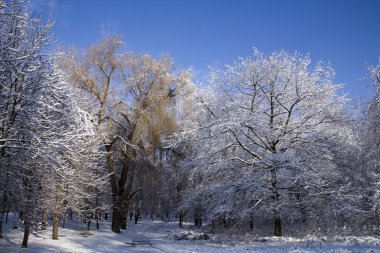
x=158, y=236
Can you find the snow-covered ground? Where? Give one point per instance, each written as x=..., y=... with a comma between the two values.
x=157, y=236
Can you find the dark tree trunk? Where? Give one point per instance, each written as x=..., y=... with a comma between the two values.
x=198, y=217
x=121, y=195
x=88, y=224
x=126, y=193
x=55, y=226
x=124, y=222
x=276, y=197
x=124, y=217
x=303, y=214
x=6, y=217
x=14, y=223
x=106, y=216
x=115, y=214
x=137, y=214
x=301, y=205
x=97, y=220
x=277, y=224
x=2, y=211
x=26, y=234
x=178, y=200
x=180, y=219
x=116, y=221
x=44, y=219
x=1, y=225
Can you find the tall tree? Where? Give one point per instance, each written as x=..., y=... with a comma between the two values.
x=131, y=94
x=370, y=150
x=43, y=132
x=23, y=67
x=267, y=139
x=74, y=153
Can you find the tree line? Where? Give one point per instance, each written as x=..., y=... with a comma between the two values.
x=103, y=131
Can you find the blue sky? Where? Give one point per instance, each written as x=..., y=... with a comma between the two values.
x=202, y=33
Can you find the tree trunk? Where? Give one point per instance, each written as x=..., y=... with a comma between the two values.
x=97, y=220
x=14, y=223
x=55, y=226
x=137, y=213
x=276, y=196
x=63, y=221
x=4, y=198
x=198, y=217
x=126, y=179
x=128, y=200
x=116, y=221
x=303, y=214
x=137, y=217
x=178, y=200
x=26, y=234
x=301, y=205
x=2, y=211
x=44, y=219
x=180, y=219
x=277, y=224
x=124, y=222
x=88, y=224
x=115, y=214
x=1, y=225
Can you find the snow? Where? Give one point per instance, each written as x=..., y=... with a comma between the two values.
x=158, y=236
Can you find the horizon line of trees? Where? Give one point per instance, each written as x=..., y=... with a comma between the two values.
x=269, y=143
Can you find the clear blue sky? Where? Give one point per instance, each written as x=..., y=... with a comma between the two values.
x=199, y=33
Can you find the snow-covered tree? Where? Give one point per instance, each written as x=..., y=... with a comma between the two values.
x=59, y=165
x=48, y=145
x=370, y=151
x=77, y=179
x=373, y=121
x=22, y=69
x=266, y=139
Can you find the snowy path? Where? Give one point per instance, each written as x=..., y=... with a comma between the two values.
x=156, y=236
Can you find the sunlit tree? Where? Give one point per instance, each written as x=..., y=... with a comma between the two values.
x=131, y=96
x=267, y=137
